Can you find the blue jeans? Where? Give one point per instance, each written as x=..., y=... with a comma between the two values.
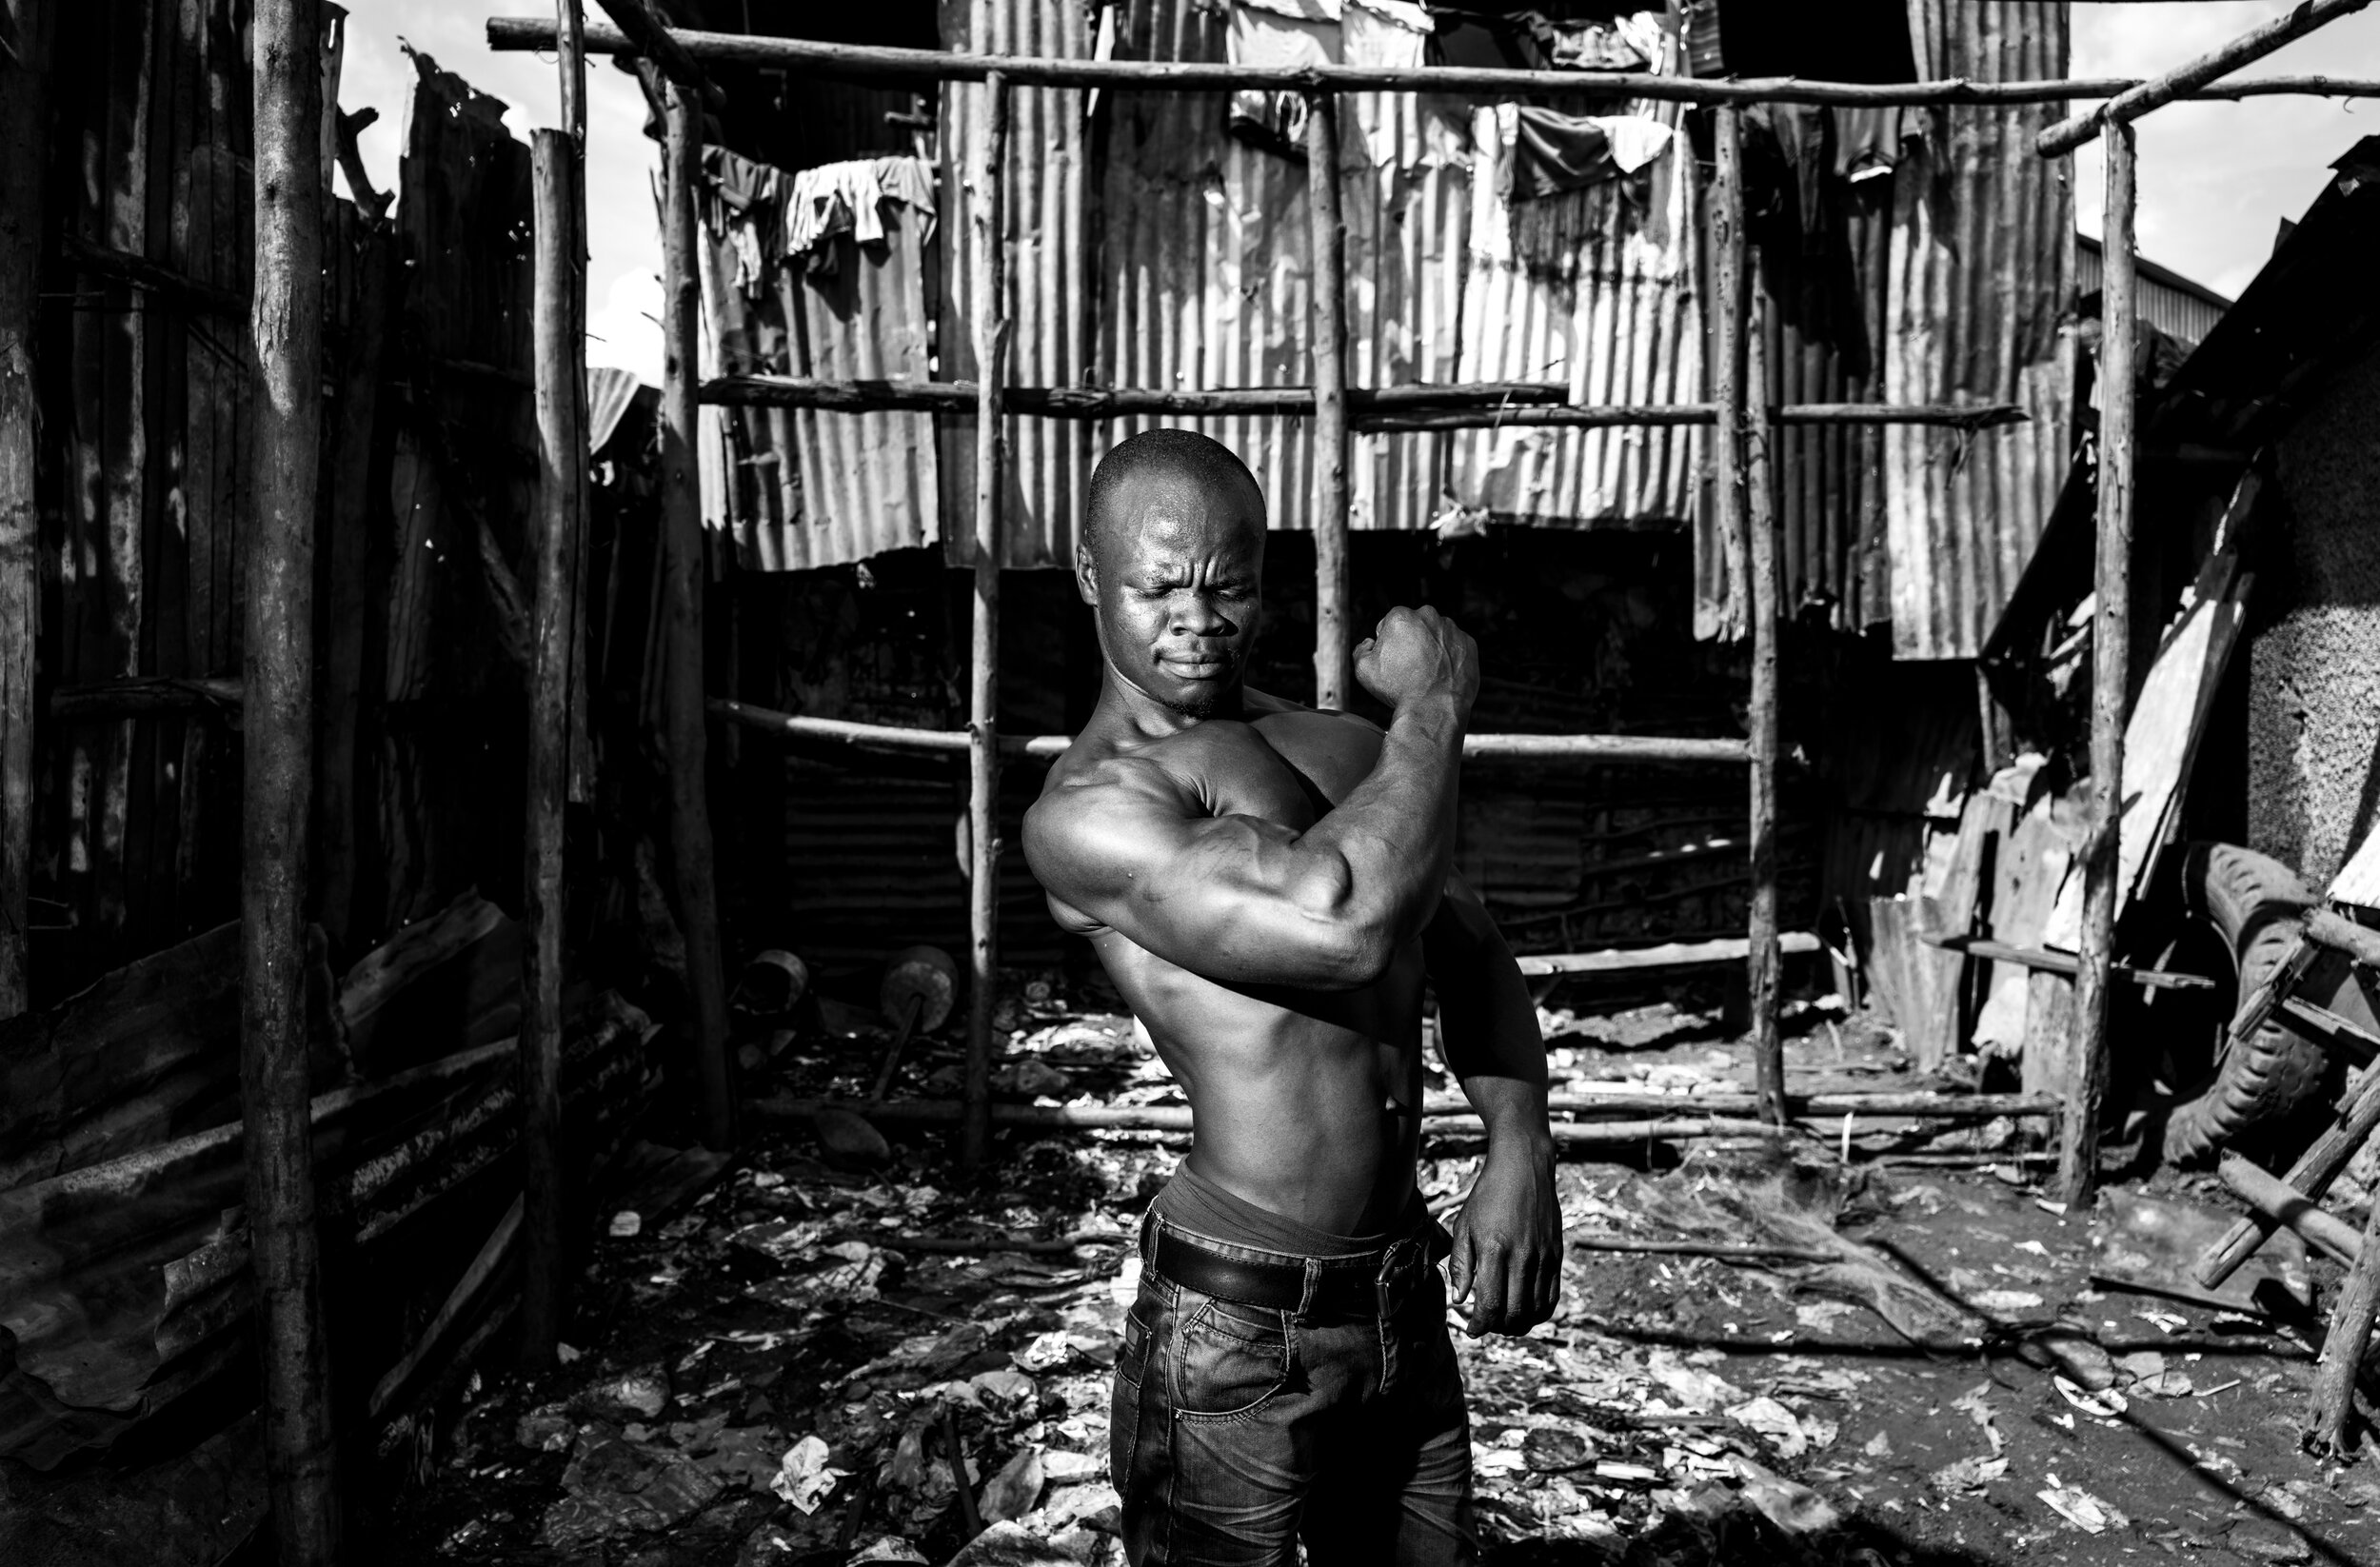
x=1236, y=1430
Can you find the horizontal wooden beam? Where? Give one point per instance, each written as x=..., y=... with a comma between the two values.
x=2285, y=1205
x=2187, y=79
x=1465, y=405
x=804, y=54
x=640, y=32
x=2327, y=927
x=1635, y=1117
x=1476, y=747
x=135, y=697
x=1724, y=949
x=2063, y=963
x=141, y=272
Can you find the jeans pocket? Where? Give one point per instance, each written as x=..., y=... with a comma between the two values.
x=1124, y=1410
x=1230, y=1360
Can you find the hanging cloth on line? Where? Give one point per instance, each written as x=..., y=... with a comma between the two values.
x=1553, y=153
x=1296, y=33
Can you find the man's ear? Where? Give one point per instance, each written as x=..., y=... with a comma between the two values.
x=1086, y=573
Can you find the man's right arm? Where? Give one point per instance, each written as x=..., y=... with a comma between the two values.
x=1245, y=900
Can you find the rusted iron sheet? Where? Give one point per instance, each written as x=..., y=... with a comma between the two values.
x=1981, y=275
x=1044, y=226
x=127, y=1284
x=142, y=476
x=804, y=487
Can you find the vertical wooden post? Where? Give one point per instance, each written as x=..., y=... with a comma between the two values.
x=562, y=456
x=23, y=155
x=570, y=64
x=2343, y=1349
x=1726, y=231
x=1333, y=669
x=989, y=306
x=686, y=723
x=2110, y=677
x=277, y=784
x=1747, y=528
x=1762, y=957
x=571, y=67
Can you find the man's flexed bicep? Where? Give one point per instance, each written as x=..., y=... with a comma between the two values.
x=1231, y=898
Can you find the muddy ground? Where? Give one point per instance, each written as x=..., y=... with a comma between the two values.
x=775, y=1371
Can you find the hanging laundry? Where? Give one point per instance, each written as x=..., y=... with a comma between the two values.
x=1866, y=143
x=847, y=198
x=1553, y=153
x=1295, y=35
x=1637, y=42
x=742, y=202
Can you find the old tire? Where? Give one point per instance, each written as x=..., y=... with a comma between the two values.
x=2258, y=904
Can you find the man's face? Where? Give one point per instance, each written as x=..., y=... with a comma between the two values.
x=1175, y=580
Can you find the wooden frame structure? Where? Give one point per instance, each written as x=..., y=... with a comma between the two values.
x=1738, y=411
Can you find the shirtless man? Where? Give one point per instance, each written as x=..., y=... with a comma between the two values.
x=1268, y=885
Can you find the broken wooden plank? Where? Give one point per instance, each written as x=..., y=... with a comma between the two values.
x=2284, y=1203
x=1723, y=949
x=2064, y=962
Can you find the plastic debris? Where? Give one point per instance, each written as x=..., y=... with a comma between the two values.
x=802, y=1476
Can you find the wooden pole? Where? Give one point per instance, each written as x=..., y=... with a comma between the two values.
x=562, y=454
x=685, y=736
x=871, y=61
x=570, y=70
x=2185, y=79
x=570, y=66
x=23, y=158
x=1726, y=229
x=1762, y=957
x=2111, y=676
x=988, y=306
x=277, y=784
x=2343, y=1349
x=1333, y=665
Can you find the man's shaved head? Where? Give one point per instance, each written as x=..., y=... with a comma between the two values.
x=1173, y=560
x=1174, y=456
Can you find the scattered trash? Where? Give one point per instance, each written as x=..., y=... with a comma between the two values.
x=613, y=1486
x=627, y=1221
x=2081, y=1509
x=802, y=1476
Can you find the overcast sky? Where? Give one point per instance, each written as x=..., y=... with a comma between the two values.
x=2215, y=179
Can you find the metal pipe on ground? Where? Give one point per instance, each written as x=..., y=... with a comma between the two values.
x=277, y=785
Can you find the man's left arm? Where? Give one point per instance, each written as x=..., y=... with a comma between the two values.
x=1508, y=1238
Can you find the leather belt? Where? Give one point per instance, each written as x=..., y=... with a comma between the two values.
x=1348, y=1286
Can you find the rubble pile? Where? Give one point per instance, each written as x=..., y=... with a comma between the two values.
x=889, y=1362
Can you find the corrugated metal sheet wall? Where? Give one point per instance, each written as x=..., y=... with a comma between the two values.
x=1595, y=287
x=1049, y=289
x=800, y=488
x=1979, y=283
x=1190, y=269
x=2178, y=312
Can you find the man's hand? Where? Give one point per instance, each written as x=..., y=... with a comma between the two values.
x=1419, y=654
x=1508, y=1244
